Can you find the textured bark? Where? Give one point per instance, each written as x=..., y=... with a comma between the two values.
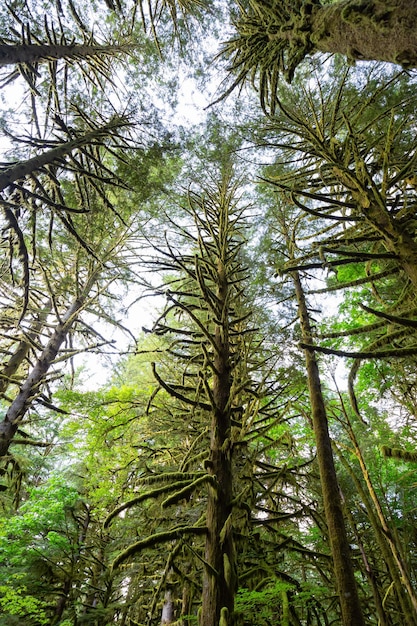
x=35, y=53
x=339, y=545
x=368, y=30
x=219, y=584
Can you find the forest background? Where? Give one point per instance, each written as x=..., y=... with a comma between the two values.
x=217, y=471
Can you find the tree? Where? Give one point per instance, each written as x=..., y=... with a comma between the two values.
x=209, y=297
x=347, y=183
x=384, y=527
x=37, y=568
x=341, y=554
x=221, y=400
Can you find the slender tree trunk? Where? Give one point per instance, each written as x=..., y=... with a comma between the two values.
x=383, y=617
x=386, y=553
x=339, y=545
x=30, y=388
x=22, y=169
x=379, y=30
x=61, y=602
x=388, y=533
x=186, y=604
x=11, y=54
x=167, y=609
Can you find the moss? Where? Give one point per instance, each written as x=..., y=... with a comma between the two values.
x=358, y=12
x=227, y=570
x=365, y=13
x=398, y=453
x=405, y=58
x=224, y=615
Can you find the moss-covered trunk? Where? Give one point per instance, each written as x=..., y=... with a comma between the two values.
x=388, y=534
x=20, y=170
x=32, y=385
x=219, y=584
x=339, y=545
x=368, y=29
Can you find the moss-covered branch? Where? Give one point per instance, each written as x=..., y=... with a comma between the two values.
x=144, y=496
x=188, y=489
x=158, y=538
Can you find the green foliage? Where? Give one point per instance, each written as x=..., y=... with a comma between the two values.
x=16, y=601
x=35, y=545
x=262, y=605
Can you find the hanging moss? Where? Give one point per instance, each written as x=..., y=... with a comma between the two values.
x=224, y=617
x=399, y=453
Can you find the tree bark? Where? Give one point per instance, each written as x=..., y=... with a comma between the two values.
x=367, y=30
x=339, y=545
x=30, y=388
x=167, y=609
x=20, y=170
x=219, y=583
x=11, y=54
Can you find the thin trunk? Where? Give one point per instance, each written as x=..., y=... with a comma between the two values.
x=339, y=545
x=285, y=609
x=61, y=602
x=367, y=30
x=186, y=602
x=383, y=618
x=22, y=169
x=30, y=388
x=383, y=546
x=389, y=535
x=11, y=54
x=167, y=609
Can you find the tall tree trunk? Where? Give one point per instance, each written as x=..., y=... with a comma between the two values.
x=367, y=29
x=22, y=169
x=11, y=54
x=30, y=388
x=219, y=584
x=339, y=545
